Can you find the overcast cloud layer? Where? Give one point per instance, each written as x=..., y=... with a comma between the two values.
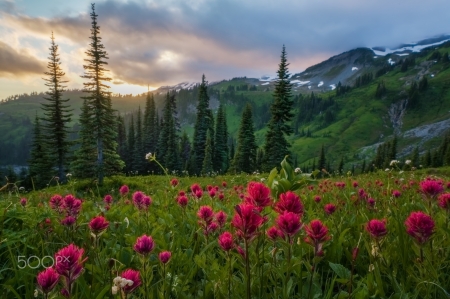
x=166, y=42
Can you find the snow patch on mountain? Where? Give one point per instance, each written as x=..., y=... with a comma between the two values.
x=299, y=82
x=333, y=86
x=354, y=68
x=320, y=84
x=409, y=48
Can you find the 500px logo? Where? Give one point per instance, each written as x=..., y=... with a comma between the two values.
x=46, y=261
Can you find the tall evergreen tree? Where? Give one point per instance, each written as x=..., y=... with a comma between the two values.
x=56, y=115
x=322, y=160
x=138, y=151
x=341, y=166
x=220, y=163
x=150, y=130
x=207, y=165
x=122, y=138
x=40, y=162
x=130, y=162
x=276, y=146
x=84, y=164
x=202, y=124
x=245, y=157
x=102, y=124
x=171, y=156
x=185, y=150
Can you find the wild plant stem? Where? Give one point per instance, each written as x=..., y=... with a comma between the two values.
x=247, y=269
x=288, y=271
x=229, y=275
x=164, y=280
x=310, y=281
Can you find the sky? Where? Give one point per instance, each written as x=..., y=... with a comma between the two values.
x=154, y=43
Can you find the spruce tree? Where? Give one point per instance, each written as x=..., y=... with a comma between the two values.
x=276, y=146
x=40, y=162
x=322, y=160
x=245, y=157
x=207, y=165
x=185, y=151
x=138, y=151
x=130, y=162
x=84, y=164
x=202, y=124
x=150, y=130
x=341, y=166
x=171, y=154
x=122, y=138
x=103, y=123
x=56, y=115
x=220, y=163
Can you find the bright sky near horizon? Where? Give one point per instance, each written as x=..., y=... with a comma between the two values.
x=165, y=42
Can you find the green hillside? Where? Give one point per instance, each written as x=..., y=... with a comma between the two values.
x=344, y=120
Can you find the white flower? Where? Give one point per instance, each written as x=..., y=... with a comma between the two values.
x=68, y=174
x=298, y=170
x=117, y=280
x=123, y=282
x=407, y=162
x=36, y=293
x=387, y=169
x=393, y=162
x=126, y=221
x=114, y=290
x=147, y=156
x=130, y=282
x=371, y=267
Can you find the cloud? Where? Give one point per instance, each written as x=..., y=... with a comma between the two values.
x=166, y=42
x=17, y=63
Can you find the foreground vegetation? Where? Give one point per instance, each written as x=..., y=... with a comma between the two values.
x=344, y=237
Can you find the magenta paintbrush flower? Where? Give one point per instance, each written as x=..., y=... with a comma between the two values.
x=134, y=277
x=68, y=221
x=274, y=233
x=444, y=201
x=47, y=280
x=431, y=188
x=289, y=202
x=164, y=257
x=226, y=241
x=108, y=199
x=174, y=182
x=420, y=226
x=221, y=218
x=329, y=208
x=56, y=203
x=289, y=223
x=71, y=205
x=376, y=228
x=69, y=264
x=124, y=190
x=98, y=225
x=258, y=195
x=205, y=213
x=247, y=220
x=317, y=234
x=144, y=245
x=182, y=201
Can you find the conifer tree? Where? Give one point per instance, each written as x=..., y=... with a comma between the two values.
x=415, y=158
x=341, y=166
x=131, y=163
x=150, y=131
x=232, y=150
x=245, y=157
x=84, y=164
x=220, y=155
x=121, y=138
x=138, y=150
x=202, y=124
x=207, y=166
x=185, y=150
x=363, y=167
x=103, y=123
x=40, y=162
x=322, y=160
x=56, y=114
x=276, y=146
x=168, y=138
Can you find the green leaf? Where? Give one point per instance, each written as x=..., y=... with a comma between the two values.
x=340, y=270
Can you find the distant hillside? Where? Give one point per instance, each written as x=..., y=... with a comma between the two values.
x=377, y=97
